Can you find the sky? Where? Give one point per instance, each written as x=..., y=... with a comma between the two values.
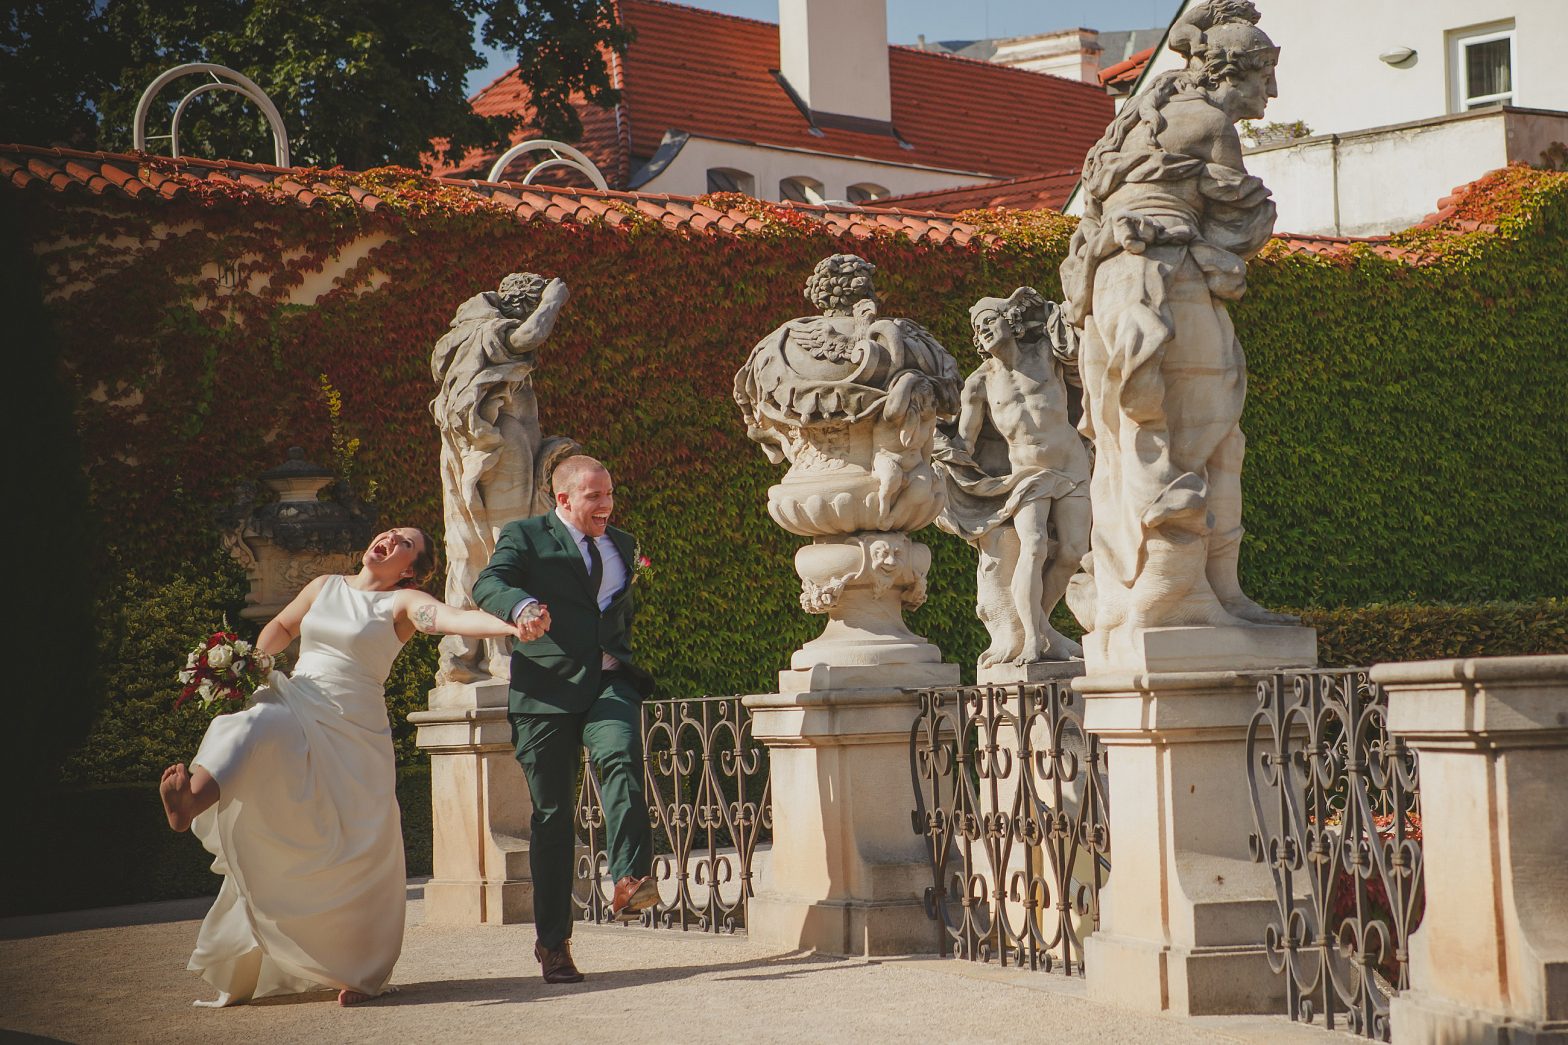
x=945, y=20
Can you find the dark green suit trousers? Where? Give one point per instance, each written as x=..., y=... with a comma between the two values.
x=550, y=747
x=561, y=701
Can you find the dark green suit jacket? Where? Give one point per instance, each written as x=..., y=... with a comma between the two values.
x=559, y=672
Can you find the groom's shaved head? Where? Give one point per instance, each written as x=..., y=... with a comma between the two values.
x=569, y=472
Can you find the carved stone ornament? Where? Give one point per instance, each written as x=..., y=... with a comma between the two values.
x=1170, y=218
x=495, y=464
x=851, y=401
x=287, y=542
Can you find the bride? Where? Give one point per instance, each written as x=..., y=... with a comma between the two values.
x=295, y=795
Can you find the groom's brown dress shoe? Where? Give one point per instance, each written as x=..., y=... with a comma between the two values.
x=633, y=895
x=557, y=963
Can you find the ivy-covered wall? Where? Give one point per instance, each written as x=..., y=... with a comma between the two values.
x=1406, y=416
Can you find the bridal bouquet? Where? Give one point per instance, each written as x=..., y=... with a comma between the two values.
x=223, y=666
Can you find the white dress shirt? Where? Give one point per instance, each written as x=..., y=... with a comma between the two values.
x=614, y=574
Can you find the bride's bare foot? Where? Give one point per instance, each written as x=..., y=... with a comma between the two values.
x=348, y=997
x=175, y=791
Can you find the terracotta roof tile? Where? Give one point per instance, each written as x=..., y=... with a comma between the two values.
x=948, y=110
x=155, y=180
x=1126, y=71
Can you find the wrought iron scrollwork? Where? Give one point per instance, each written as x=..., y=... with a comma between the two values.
x=1010, y=796
x=1336, y=805
x=709, y=801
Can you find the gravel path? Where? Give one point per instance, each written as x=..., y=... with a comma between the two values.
x=118, y=975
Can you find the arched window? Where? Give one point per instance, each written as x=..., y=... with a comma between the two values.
x=865, y=192
x=728, y=179
x=801, y=189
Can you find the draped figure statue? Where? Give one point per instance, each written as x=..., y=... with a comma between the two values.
x=495, y=464
x=1170, y=219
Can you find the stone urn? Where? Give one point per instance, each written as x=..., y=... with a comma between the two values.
x=287, y=541
x=851, y=401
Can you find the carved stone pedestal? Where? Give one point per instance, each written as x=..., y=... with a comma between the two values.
x=1489, y=963
x=846, y=875
x=1202, y=649
x=1183, y=913
x=481, y=808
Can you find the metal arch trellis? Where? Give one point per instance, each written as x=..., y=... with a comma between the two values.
x=1010, y=796
x=223, y=79
x=710, y=804
x=561, y=155
x=1336, y=805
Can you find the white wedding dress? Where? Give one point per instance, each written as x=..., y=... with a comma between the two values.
x=306, y=830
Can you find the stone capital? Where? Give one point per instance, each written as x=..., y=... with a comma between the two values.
x=1489, y=701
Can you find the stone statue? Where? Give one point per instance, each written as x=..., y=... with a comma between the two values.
x=851, y=401
x=495, y=465
x=1170, y=217
x=1017, y=476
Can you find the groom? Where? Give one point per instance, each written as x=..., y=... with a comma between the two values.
x=574, y=685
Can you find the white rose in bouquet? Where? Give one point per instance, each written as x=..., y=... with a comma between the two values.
x=219, y=657
x=241, y=647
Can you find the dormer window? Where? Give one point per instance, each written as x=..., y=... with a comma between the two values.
x=865, y=192
x=728, y=179
x=801, y=189
x=1481, y=66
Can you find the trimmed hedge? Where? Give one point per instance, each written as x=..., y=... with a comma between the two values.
x=1405, y=415
x=1367, y=635
x=110, y=845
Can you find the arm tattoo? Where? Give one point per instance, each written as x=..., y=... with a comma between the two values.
x=425, y=617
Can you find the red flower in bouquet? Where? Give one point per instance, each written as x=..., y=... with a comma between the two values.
x=222, y=666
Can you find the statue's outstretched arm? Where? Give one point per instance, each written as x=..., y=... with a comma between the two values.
x=535, y=330
x=971, y=411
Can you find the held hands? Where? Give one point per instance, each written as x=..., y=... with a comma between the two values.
x=532, y=625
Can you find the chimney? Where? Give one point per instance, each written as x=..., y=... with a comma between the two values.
x=833, y=54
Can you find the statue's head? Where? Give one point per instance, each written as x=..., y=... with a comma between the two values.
x=521, y=293
x=1020, y=317
x=1228, y=55
x=838, y=282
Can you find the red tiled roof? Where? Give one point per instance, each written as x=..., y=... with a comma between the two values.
x=709, y=74
x=158, y=179
x=150, y=178
x=1035, y=192
x=1125, y=72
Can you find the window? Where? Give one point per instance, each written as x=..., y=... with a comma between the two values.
x=1481, y=66
x=728, y=179
x=801, y=189
x=865, y=192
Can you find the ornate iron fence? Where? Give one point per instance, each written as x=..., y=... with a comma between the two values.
x=709, y=800
x=1336, y=806
x=1010, y=796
